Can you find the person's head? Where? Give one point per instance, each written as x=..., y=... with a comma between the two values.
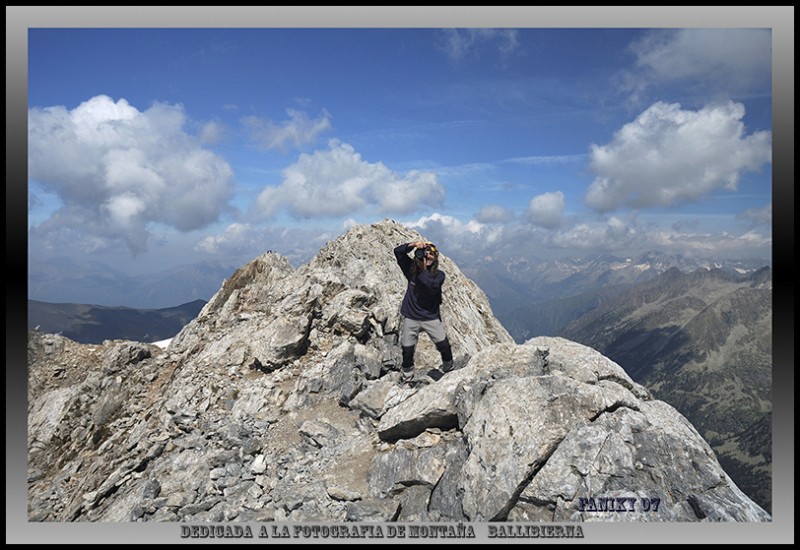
x=428, y=257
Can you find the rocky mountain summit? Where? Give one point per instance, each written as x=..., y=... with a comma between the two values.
x=280, y=401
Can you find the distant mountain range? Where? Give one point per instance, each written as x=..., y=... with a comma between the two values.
x=701, y=341
x=92, y=324
x=533, y=297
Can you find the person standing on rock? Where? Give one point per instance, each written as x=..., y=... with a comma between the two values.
x=420, y=307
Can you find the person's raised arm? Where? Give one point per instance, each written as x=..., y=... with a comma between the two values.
x=401, y=254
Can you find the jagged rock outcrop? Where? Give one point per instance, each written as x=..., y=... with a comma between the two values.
x=271, y=315
x=281, y=402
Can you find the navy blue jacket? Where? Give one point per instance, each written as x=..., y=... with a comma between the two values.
x=424, y=291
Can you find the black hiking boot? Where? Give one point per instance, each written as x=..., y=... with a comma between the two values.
x=435, y=374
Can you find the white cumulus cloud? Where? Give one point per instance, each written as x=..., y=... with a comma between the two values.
x=669, y=156
x=116, y=169
x=338, y=182
x=546, y=210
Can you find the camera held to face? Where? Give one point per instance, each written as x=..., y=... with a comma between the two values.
x=421, y=253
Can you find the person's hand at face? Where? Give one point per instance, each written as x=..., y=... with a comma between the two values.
x=425, y=253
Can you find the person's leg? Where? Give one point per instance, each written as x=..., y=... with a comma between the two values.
x=409, y=334
x=437, y=333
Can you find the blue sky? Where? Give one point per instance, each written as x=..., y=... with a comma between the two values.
x=151, y=148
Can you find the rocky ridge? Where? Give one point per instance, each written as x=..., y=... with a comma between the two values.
x=281, y=402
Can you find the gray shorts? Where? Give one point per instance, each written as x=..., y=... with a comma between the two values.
x=409, y=332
